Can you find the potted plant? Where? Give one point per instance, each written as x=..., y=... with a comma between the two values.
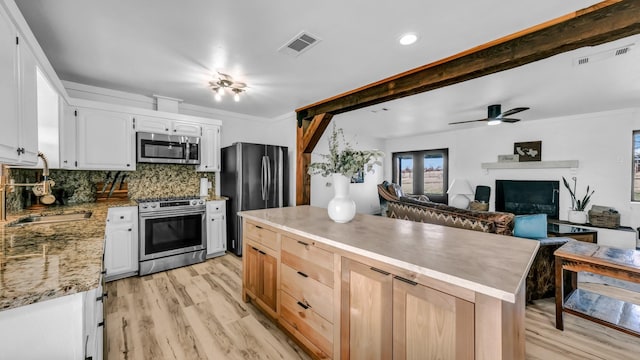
x=577, y=214
x=342, y=163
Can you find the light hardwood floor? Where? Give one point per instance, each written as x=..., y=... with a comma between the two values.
x=196, y=312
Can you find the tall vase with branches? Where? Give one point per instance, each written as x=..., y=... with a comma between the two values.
x=577, y=213
x=342, y=163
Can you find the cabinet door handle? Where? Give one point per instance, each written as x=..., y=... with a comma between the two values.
x=256, y=249
x=103, y=272
x=262, y=252
x=129, y=229
x=303, y=305
x=380, y=271
x=101, y=298
x=413, y=283
x=302, y=274
x=302, y=243
x=101, y=323
x=258, y=227
x=121, y=217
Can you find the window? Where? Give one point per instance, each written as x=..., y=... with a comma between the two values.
x=635, y=171
x=423, y=172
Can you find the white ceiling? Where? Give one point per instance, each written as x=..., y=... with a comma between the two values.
x=172, y=48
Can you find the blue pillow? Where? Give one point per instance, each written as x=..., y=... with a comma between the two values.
x=530, y=226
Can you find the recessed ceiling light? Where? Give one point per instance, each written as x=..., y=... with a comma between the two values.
x=408, y=39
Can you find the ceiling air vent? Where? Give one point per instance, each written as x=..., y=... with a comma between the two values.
x=299, y=44
x=607, y=54
x=622, y=51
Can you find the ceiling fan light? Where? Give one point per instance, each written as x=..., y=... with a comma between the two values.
x=236, y=97
x=218, y=97
x=220, y=91
x=494, y=122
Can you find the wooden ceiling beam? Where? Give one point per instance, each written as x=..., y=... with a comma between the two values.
x=598, y=24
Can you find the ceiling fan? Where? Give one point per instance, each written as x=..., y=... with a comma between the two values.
x=495, y=116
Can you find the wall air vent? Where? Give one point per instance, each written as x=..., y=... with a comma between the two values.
x=299, y=44
x=603, y=55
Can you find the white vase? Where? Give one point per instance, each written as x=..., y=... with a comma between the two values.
x=577, y=217
x=341, y=208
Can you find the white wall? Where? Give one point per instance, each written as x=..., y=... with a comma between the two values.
x=365, y=194
x=602, y=142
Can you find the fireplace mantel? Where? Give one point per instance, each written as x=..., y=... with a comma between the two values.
x=571, y=164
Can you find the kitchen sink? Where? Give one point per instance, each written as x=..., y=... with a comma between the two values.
x=49, y=219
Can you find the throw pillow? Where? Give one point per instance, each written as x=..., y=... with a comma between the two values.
x=530, y=226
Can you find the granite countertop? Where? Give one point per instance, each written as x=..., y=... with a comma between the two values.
x=46, y=261
x=494, y=265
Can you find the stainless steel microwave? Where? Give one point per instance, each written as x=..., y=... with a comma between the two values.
x=167, y=149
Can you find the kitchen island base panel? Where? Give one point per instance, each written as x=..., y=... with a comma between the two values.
x=484, y=316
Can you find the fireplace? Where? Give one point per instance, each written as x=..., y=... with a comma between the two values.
x=523, y=197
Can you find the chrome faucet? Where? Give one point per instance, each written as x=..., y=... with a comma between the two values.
x=42, y=188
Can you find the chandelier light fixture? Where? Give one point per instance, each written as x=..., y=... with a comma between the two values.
x=225, y=83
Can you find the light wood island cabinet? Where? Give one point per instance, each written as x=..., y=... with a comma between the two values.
x=380, y=288
x=260, y=267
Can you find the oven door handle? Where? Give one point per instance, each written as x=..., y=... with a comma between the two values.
x=164, y=214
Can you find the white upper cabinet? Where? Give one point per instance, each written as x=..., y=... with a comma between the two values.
x=105, y=140
x=186, y=128
x=8, y=91
x=210, y=151
x=68, y=136
x=153, y=124
x=18, y=99
x=166, y=126
x=28, y=81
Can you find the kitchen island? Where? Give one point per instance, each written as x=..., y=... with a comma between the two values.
x=386, y=288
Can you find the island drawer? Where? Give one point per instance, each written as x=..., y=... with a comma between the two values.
x=308, y=291
x=303, y=256
x=307, y=322
x=261, y=235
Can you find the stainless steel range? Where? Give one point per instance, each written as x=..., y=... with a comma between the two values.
x=172, y=233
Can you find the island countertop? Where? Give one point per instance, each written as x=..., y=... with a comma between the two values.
x=490, y=264
x=41, y=262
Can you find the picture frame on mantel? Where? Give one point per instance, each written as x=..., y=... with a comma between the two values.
x=528, y=151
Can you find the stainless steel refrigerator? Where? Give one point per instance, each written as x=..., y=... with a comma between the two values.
x=253, y=176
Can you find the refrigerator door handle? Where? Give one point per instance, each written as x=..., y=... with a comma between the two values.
x=262, y=178
x=268, y=185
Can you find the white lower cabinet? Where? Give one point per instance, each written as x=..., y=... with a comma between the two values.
x=63, y=328
x=121, y=243
x=216, y=228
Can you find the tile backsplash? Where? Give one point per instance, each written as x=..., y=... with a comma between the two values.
x=155, y=180
x=78, y=186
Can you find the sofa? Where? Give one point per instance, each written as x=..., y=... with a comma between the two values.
x=541, y=277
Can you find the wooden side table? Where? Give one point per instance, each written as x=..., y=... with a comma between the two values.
x=623, y=264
